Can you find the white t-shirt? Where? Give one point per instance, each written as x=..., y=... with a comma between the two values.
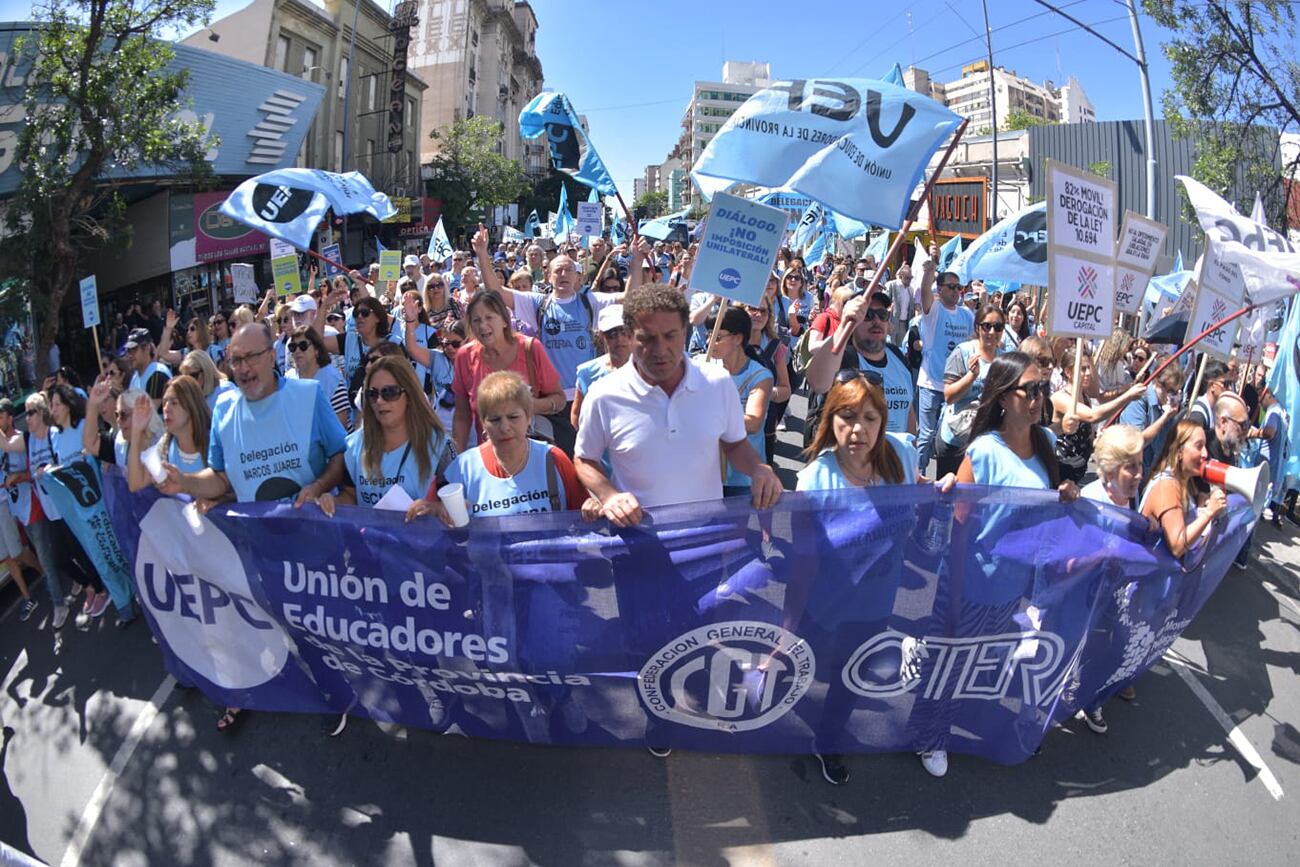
x=941, y=330
x=663, y=449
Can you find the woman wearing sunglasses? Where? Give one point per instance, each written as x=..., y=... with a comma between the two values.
x=187, y=422
x=963, y=382
x=618, y=349
x=219, y=331
x=440, y=307
x=753, y=382
x=768, y=349
x=311, y=360
x=372, y=330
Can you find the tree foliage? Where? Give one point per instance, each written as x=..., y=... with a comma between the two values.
x=1020, y=119
x=100, y=102
x=469, y=173
x=652, y=203
x=1236, y=87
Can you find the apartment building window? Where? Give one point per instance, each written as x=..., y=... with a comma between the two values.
x=282, y=53
x=309, y=56
x=410, y=111
x=370, y=154
x=343, y=77
x=371, y=91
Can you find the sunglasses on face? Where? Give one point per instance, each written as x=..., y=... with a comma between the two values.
x=388, y=394
x=121, y=416
x=990, y=327
x=1043, y=360
x=300, y=346
x=880, y=314
x=848, y=375
x=31, y=412
x=453, y=344
x=364, y=313
x=1034, y=390
x=951, y=286
x=436, y=285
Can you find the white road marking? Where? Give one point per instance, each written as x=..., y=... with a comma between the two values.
x=95, y=806
x=1235, y=736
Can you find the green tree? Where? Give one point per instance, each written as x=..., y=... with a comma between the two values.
x=1236, y=86
x=652, y=203
x=1019, y=119
x=100, y=102
x=469, y=172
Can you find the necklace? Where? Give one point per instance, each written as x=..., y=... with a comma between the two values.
x=501, y=461
x=862, y=481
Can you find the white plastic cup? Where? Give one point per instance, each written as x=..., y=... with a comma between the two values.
x=453, y=500
x=153, y=463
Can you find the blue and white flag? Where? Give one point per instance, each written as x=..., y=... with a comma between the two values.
x=808, y=224
x=77, y=489
x=1014, y=249
x=878, y=248
x=1284, y=382
x=821, y=243
x=530, y=225
x=569, y=148
x=618, y=232
x=440, y=248
x=289, y=203
x=564, y=221
x=844, y=226
x=858, y=146
x=895, y=76
x=948, y=252
x=660, y=228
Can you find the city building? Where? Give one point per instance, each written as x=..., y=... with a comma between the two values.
x=478, y=57
x=969, y=96
x=360, y=54
x=638, y=188
x=1075, y=105
x=712, y=102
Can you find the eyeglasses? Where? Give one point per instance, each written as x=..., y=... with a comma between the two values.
x=990, y=327
x=121, y=416
x=437, y=285
x=1034, y=390
x=31, y=412
x=849, y=374
x=453, y=344
x=363, y=312
x=388, y=394
x=300, y=346
x=880, y=314
x=615, y=333
x=241, y=360
x=950, y=286
x=1241, y=425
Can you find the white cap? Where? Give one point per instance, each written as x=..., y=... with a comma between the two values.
x=303, y=304
x=610, y=317
x=410, y=260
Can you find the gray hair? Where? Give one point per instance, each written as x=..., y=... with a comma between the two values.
x=126, y=403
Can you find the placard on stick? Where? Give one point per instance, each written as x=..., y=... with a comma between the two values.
x=243, y=283
x=738, y=249
x=89, y=302
x=1136, y=251
x=390, y=266
x=591, y=218
x=1220, y=290
x=1081, y=228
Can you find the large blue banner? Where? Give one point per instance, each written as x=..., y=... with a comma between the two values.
x=867, y=620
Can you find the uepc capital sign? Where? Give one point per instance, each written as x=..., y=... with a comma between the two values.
x=1081, y=228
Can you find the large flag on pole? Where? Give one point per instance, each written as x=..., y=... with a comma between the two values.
x=530, y=225
x=948, y=252
x=1015, y=249
x=289, y=203
x=1284, y=382
x=808, y=225
x=569, y=148
x=878, y=247
x=564, y=221
x=858, y=146
x=439, y=244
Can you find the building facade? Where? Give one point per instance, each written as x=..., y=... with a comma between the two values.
x=968, y=96
x=712, y=102
x=479, y=57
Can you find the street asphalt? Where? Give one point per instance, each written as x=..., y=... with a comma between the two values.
x=109, y=765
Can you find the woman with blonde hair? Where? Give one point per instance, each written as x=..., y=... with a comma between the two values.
x=1111, y=365
x=187, y=422
x=1170, y=498
x=212, y=382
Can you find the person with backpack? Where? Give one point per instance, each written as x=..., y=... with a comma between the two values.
x=753, y=382
x=869, y=350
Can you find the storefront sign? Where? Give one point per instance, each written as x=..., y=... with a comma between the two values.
x=217, y=236
x=404, y=18
x=959, y=207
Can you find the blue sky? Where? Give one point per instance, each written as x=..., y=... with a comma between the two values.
x=630, y=65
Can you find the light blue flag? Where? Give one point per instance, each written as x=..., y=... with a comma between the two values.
x=379, y=248
x=1284, y=382
x=858, y=146
x=660, y=228
x=289, y=203
x=895, y=76
x=440, y=249
x=569, y=148
x=618, y=232
x=808, y=224
x=530, y=225
x=564, y=221
x=948, y=252
x=823, y=242
x=846, y=227
x=878, y=247
x=594, y=195
x=1015, y=249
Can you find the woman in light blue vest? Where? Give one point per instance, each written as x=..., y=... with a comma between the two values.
x=310, y=360
x=187, y=421
x=963, y=381
x=753, y=382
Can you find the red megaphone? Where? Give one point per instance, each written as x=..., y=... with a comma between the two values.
x=1251, y=484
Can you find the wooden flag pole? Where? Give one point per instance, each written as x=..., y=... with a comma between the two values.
x=841, y=339
x=1200, y=374
x=1074, y=383
x=99, y=355
x=717, y=327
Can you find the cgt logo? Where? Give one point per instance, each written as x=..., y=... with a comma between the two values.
x=192, y=581
x=734, y=677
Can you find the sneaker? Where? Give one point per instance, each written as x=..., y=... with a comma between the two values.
x=660, y=752
x=1095, y=720
x=780, y=426
x=101, y=604
x=935, y=762
x=1128, y=693
x=60, y=617
x=833, y=769
x=77, y=587
x=25, y=609
x=332, y=726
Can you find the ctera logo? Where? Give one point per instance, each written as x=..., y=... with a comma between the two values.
x=729, y=278
x=280, y=204
x=193, y=583
x=734, y=677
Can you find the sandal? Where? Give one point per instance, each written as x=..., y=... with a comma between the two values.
x=1128, y=693
x=228, y=719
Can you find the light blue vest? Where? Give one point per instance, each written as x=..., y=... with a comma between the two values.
x=750, y=377
x=399, y=467
x=268, y=445
x=488, y=496
x=898, y=390
x=139, y=380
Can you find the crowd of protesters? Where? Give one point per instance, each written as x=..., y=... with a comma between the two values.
x=591, y=379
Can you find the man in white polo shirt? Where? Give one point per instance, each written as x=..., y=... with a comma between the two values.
x=662, y=419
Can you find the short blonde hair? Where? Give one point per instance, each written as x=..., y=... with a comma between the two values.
x=521, y=274
x=36, y=401
x=242, y=316
x=842, y=294
x=501, y=388
x=1117, y=445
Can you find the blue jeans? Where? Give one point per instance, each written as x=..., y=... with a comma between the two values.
x=41, y=534
x=929, y=403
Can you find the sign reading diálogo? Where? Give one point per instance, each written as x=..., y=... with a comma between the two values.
x=736, y=676
x=738, y=249
x=1139, y=245
x=89, y=302
x=1080, y=252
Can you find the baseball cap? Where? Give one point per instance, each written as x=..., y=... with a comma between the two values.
x=610, y=317
x=303, y=304
x=138, y=337
x=411, y=260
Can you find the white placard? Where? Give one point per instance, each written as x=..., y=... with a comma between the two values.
x=1080, y=211
x=1219, y=275
x=280, y=248
x=591, y=218
x=243, y=283
x=1081, y=228
x=1083, y=296
x=1130, y=286
x=1208, y=309
x=89, y=302
x=1140, y=242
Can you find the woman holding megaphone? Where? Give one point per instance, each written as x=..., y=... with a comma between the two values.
x=1170, y=499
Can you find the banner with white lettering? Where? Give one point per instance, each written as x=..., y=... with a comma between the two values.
x=886, y=619
x=1081, y=229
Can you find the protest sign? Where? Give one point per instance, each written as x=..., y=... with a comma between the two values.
x=285, y=275
x=591, y=218
x=1081, y=229
x=331, y=251
x=857, y=621
x=390, y=265
x=1136, y=251
x=738, y=249
x=89, y=302
x=243, y=283
x=1208, y=308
